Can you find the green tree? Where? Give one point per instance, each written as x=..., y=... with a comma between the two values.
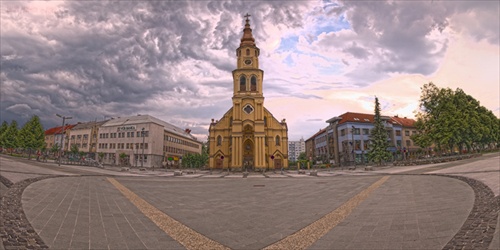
x=378, y=145
x=454, y=120
x=10, y=137
x=101, y=156
x=3, y=128
x=123, y=158
x=31, y=136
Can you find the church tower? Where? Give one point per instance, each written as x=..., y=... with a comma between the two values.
x=248, y=136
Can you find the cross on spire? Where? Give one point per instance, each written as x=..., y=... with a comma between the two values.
x=247, y=15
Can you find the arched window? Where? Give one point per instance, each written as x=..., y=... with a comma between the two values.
x=219, y=140
x=253, y=83
x=248, y=52
x=277, y=140
x=230, y=121
x=230, y=140
x=265, y=121
x=243, y=83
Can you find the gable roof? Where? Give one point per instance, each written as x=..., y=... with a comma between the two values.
x=356, y=117
x=58, y=130
x=405, y=122
x=317, y=133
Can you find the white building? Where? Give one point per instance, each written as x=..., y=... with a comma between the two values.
x=84, y=136
x=144, y=141
x=295, y=148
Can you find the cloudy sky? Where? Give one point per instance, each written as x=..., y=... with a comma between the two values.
x=173, y=59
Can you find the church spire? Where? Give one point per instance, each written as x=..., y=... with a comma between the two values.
x=247, y=38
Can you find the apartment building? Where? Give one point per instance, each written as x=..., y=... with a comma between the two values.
x=347, y=138
x=56, y=136
x=295, y=148
x=144, y=141
x=84, y=136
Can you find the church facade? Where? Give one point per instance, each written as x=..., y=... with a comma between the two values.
x=248, y=137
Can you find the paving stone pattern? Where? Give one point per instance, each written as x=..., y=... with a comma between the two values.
x=478, y=230
x=89, y=213
x=407, y=212
x=248, y=213
x=16, y=231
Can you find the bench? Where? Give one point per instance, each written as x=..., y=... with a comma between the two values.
x=190, y=171
x=177, y=173
x=124, y=169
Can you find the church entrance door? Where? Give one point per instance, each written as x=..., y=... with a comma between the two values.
x=278, y=163
x=248, y=155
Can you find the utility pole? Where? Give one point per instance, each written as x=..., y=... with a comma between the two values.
x=353, y=142
x=142, y=160
x=62, y=134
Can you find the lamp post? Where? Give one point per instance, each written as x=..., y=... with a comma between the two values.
x=62, y=135
x=142, y=159
x=353, y=142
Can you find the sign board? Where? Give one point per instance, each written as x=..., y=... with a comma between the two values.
x=126, y=128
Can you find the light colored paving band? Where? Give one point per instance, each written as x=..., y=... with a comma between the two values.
x=306, y=236
x=178, y=231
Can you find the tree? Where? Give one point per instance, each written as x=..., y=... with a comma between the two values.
x=31, y=136
x=3, y=128
x=101, y=156
x=454, y=120
x=378, y=145
x=123, y=158
x=10, y=136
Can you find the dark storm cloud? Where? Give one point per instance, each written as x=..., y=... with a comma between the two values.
x=91, y=59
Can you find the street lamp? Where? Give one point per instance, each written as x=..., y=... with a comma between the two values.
x=353, y=142
x=142, y=159
x=62, y=134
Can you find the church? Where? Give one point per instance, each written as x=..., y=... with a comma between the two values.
x=248, y=137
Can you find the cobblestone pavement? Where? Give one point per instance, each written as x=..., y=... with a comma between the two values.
x=82, y=208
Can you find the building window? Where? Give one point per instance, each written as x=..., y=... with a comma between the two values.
x=277, y=140
x=230, y=121
x=265, y=121
x=408, y=143
x=356, y=131
x=219, y=140
x=243, y=83
x=342, y=132
x=398, y=132
x=253, y=83
x=366, y=131
x=248, y=52
x=407, y=133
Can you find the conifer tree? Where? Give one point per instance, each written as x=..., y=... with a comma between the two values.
x=378, y=145
x=31, y=136
x=3, y=128
x=10, y=136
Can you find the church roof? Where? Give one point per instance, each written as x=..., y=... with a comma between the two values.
x=247, y=38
